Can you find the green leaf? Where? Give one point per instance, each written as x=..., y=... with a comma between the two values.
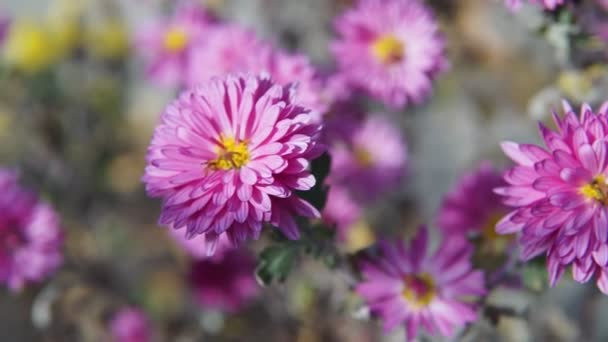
x=534, y=275
x=275, y=263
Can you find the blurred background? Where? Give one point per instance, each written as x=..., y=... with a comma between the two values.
x=77, y=113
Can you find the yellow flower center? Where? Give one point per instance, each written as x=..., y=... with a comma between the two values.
x=419, y=290
x=388, y=49
x=363, y=156
x=175, y=40
x=596, y=190
x=492, y=242
x=230, y=155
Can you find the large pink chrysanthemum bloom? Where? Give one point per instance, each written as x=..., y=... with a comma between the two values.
x=560, y=195
x=226, y=283
x=232, y=48
x=130, y=325
x=166, y=44
x=365, y=167
x=405, y=286
x=229, y=156
x=392, y=49
x=547, y=4
x=30, y=237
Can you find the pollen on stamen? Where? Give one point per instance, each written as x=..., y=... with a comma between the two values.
x=388, y=49
x=231, y=155
x=175, y=40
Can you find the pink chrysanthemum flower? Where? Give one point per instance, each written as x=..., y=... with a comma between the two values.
x=226, y=283
x=166, y=45
x=405, y=286
x=363, y=165
x=392, y=49
x=229, y=156
x=232, y=48
x=30, y=237
x=560, y=195
x=341, y=210
x=228, y=48
x=547, y=4
x=473, y=208
x=130, y=325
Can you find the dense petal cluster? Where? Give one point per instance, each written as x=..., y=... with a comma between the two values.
x=225, y=283
x=167, y=44
x=231, y=48
x=370, y=160
x=30, y=237
x=405, y=285
x=560, y=196
x=391, y=49
x=229, y=156
x=130, y=325
x=472, y=205
x=547, y=4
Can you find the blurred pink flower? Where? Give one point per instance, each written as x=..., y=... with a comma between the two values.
x=30, y=237
x=560, y=195
x=341, y=210
x=547, y=4
x=472, y=205
x=229, y=155
x=392, y=49
x=406, y=286
x=166, y=44
x=232, y=48
x=130, y=325
x=195, y=247
x=4, y=27
x=370, y=161
x=226, y=283
x=228, y=48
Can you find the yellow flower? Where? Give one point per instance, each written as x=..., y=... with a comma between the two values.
x=108, y=40
x=29, y=47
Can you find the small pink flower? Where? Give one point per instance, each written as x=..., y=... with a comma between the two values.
x=166, y=45
x=229, y=156
x=560, y=196
x=547, y=4
x=30, y=236
x=130, y=325
x=404, y=285
x=370, y=161
x=226, y=283
x=472, y=206
x=232, y=48
x=392, y=49
x=341, y=210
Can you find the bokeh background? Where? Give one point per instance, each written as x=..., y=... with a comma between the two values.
x=78, y=133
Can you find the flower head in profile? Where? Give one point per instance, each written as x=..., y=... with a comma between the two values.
x=166, y=44
x=232, y=48
x=229, y=156
x=559, y=196
x=226, y=283
x=130, y=325
x=30, y=237
x=391, y=49
x=547, y=4
x=473, y=208
x=371, y=160
x=406, y=285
